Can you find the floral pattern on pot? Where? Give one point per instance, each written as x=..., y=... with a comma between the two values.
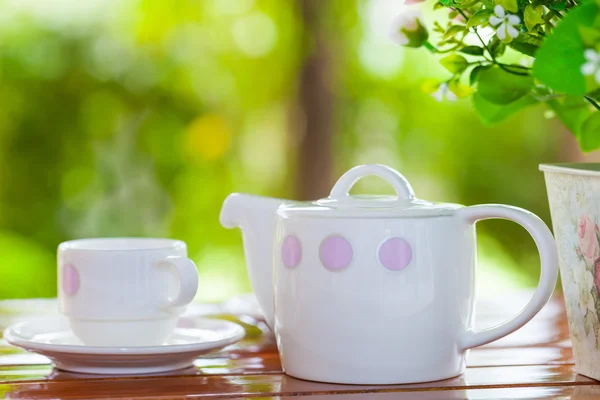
x=575, y=207
x=587, y=251
x=587, y=233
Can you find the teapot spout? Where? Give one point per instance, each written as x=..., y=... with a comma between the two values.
x=256, y=216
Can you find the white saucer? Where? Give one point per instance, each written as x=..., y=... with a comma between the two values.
x=14, y=311
x=53, y=338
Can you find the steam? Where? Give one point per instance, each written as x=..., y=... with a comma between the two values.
x=123, y=196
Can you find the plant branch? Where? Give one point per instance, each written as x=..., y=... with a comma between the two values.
x=515, y=66
x=450, y=50
x=556, y=14
x=501, y=65
x=430, y=47
x=592, y=102
x=507, y=66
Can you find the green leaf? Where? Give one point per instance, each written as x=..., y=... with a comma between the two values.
x=475, y=73
x=574, y=111
x=497, y=47
x=437, y=6
x=524, y=48
x=447, y=3
x=542, y=93
x=533, y=16
x=557, y=5
x=571, y=110
x=460, y=90
x=596, y=96
x=529, y=38
x=509, y=5
x=252, y=330
x=429, y=86
x=589, y=36
x=462, y=4
x=589, y=134
x=500, y=87
x=526, y=43
x=454, y=63
x=559, y=58
x=472, y=50
x=480, y=17
x=491, y=113
x=453, y=30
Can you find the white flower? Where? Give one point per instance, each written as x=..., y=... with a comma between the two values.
x=408, y=29
x=443, y=92
x=505, y=24
x=592, y=64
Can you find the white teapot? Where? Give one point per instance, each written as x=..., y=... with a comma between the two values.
x=374, y=289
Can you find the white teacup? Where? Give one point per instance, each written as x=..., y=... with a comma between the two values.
x=124, y=291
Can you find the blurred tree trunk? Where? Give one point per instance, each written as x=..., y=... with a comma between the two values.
x=315, y=105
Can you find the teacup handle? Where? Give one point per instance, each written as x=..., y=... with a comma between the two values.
x=188, y=280
x=549, y=269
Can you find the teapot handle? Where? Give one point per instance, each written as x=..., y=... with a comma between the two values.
x=341, y=189
x=549, y=269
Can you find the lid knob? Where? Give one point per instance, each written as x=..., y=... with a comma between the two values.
x=341, y=189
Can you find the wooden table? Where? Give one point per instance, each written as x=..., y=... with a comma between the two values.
x=535, y=362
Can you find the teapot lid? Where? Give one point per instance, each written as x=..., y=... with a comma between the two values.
x=341, y=204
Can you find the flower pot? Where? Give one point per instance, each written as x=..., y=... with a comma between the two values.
x=574, y=196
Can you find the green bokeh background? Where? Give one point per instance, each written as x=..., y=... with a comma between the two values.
x=138, y=118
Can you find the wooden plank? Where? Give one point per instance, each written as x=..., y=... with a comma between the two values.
x=274, y=385
x=269, y=364
x=492, y=356
x=581, y=392
x=268, y=361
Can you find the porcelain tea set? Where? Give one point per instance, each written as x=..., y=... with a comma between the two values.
x=122, y=301
x=357, y=289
